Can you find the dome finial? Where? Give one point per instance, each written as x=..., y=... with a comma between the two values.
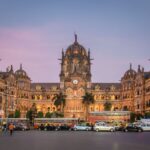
x=75, y=35
x=20, y=66
x=130, y=66
x=11, y=68
x=62, y=52
x=139, y=68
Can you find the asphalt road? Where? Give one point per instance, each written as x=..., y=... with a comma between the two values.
x=75, y=140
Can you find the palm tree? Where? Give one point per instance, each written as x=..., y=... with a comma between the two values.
x=40, y=114
x=88, y=99
x=107, y=106
x=60, y=100
x=17, y=113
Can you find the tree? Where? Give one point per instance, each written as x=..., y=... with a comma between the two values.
x=139, y=116
x=60, y=100
x=48, y=115
x=88, y=99
x=11, y=115
x=107, y=106
x=147, y=115
x=60, y=115
x=29, y=115
x=32, y=113
x=132, y=117
x=17, y=114
x=40, y=114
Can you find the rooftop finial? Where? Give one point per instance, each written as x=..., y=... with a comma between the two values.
x=139, y=68
x=20, y=66
x=89, y=52
x=75, y=35
x=62, y=52
x=130, y=66
x=11, y=68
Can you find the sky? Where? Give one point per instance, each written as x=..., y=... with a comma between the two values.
x=33, y=32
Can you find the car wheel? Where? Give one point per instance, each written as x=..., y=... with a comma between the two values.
x=75, y=129
x=97, y=130
x=139, y=130
x=111, y=130
x=126, y=130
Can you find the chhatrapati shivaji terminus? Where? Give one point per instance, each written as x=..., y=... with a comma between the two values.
x=108, y=101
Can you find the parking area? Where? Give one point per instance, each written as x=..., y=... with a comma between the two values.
x=67, y=140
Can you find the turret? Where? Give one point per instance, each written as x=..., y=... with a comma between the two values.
x=139, y=68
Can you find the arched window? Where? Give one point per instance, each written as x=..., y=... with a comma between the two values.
x=125, y=108
x=33, y=97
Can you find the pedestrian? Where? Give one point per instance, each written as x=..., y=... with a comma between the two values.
x=5, y=128
x=11, y=128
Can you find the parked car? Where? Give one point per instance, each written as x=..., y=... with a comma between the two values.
x=81, y=127
x=145, y=127
x=132, y=128
x=103, y=127
x=120, y=127
x=42, y=127
x=63, y=127
x=21, y=127
x=50, y=127
x=36, y=126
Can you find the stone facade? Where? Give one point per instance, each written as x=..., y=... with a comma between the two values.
x=18, y=92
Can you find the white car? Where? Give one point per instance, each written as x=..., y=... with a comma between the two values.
x=145, y=127
x=103, y=127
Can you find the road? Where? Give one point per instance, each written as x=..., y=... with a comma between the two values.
x=75, y=140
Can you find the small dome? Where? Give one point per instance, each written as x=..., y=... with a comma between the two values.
x=76, y=49
x=130, y=73
x=21, y=73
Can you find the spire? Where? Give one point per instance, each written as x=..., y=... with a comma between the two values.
x=20, y=66
x=75, y=36
x=11, y=68
x=130, y=66
x=62, y=52
x=139, y=68
x=89, y=52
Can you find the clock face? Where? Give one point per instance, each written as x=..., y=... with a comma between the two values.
x=75, y=81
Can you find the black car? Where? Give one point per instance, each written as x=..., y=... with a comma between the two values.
x=42, y=127
x=63, y=128
x=50, y=127
x=132, y=128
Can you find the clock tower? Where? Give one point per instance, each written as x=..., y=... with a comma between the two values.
x=75, y=78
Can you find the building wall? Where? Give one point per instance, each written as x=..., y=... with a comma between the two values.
x=131, y=94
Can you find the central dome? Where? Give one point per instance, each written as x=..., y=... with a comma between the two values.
x=130, y=73
x=76, y=49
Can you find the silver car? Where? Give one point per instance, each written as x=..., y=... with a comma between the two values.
x=145, y=127
x=104, y=127
x=81, y=127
